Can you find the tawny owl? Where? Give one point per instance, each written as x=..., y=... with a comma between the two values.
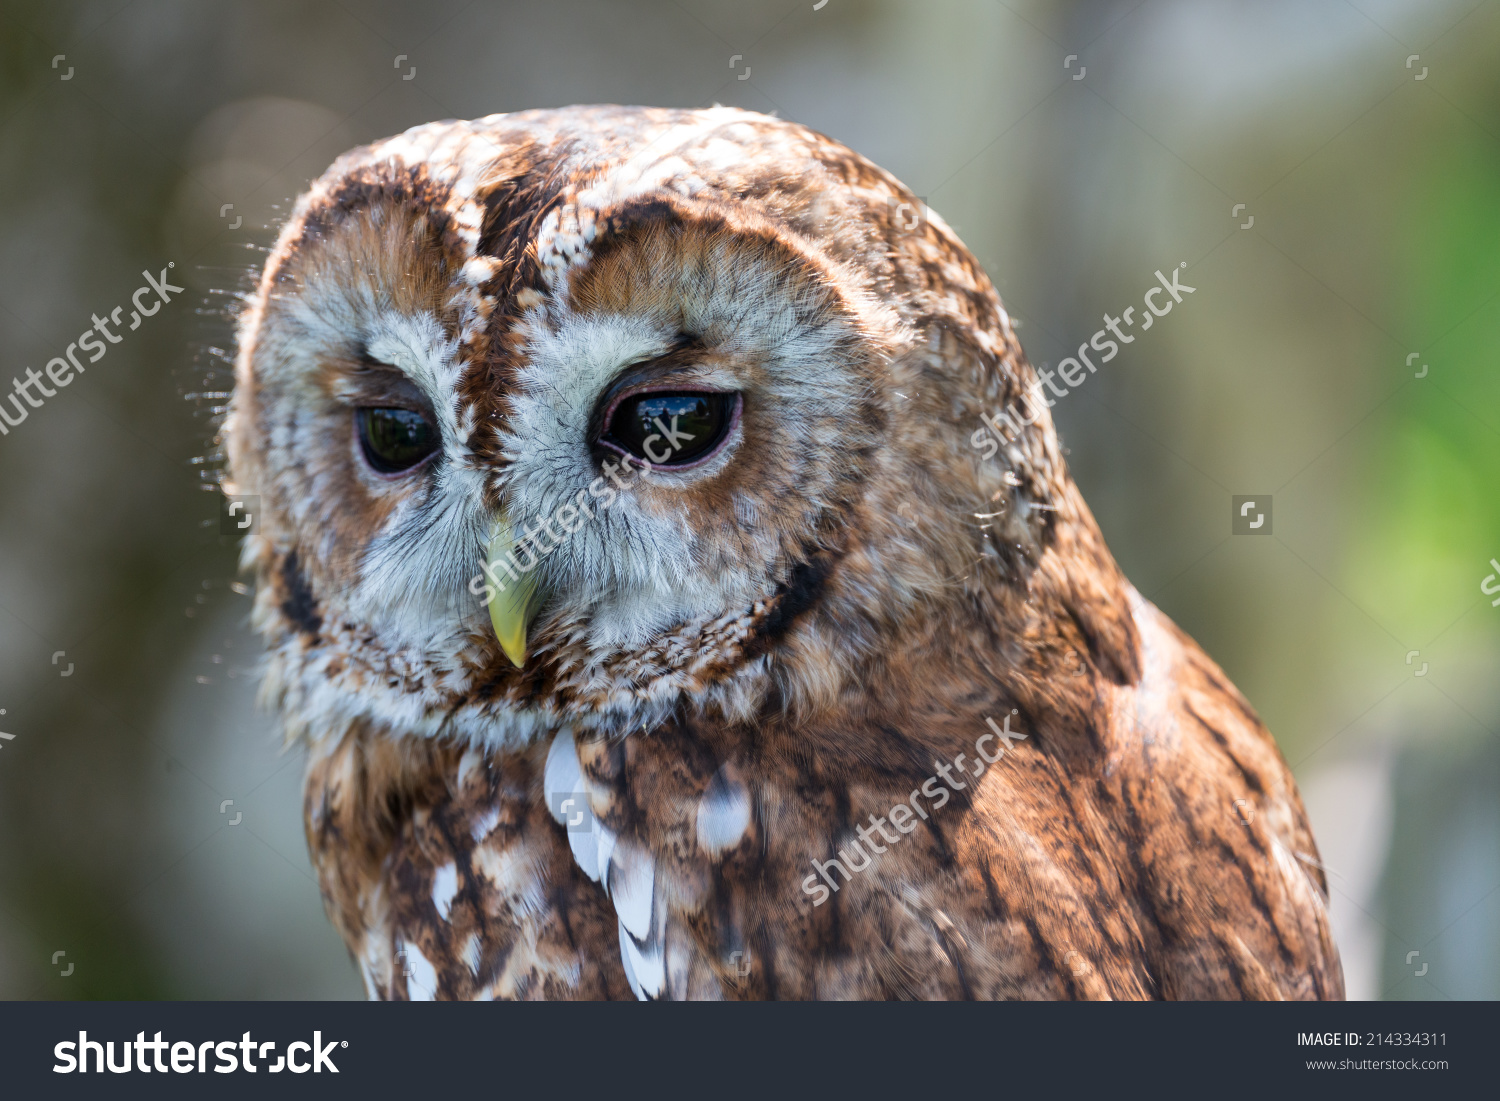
x=657, y=627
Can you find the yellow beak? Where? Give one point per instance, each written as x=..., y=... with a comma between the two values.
x=514, y=596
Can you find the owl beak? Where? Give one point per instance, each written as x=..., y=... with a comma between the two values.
x=514, y=596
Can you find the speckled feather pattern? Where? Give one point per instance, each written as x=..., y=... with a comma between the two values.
x=735, y=669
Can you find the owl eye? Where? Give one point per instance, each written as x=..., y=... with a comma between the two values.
x=671, y=429
x=394, y=440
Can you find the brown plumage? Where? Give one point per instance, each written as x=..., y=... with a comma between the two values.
x=733, y=672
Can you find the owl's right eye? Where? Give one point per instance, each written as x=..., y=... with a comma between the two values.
x=394, y=440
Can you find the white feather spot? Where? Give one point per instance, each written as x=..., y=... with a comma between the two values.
x=587, y=845
x=646, y=968
x=562, y=780
x=632, y=879
x=484, y=824
x=562, y=776
x=444, y=887
x=421, y=976
x=723, y=814
x=466, y=764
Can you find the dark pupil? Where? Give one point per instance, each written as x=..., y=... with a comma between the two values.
x=686, y=425
x=394, y=439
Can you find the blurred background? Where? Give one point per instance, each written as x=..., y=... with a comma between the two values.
x=1329, y=171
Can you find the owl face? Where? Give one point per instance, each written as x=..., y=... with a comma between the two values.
x=702, y=312
x=574, y=415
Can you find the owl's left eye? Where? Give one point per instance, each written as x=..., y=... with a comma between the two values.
x=668, y=429
x=394, y=440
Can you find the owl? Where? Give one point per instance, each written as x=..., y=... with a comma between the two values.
x=656, y=627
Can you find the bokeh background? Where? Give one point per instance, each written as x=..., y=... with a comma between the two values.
x=1339, y=354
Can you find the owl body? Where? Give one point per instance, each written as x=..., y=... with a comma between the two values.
x=658, y=751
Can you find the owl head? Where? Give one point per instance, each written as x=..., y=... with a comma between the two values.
x=581, y=416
